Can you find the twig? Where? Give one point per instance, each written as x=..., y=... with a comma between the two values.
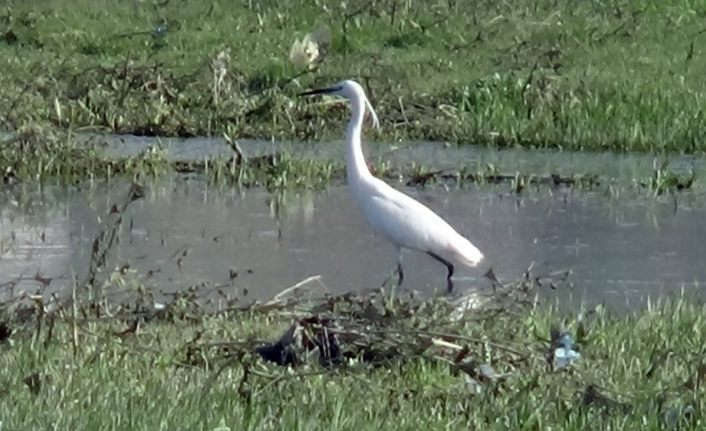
x=404, y=115
x=74, y=319
x=298, y=285
x=100, y=247
x=424, y=28
x=529, y=79
x=125, y=90
x=442, y=343
x=633, y=19
x=279, y=379
x=453, y=336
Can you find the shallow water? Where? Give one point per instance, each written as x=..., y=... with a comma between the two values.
x=434, y=155
x=186, y=233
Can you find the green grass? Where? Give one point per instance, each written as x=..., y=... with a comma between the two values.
x=590, y=75
x=188, y=371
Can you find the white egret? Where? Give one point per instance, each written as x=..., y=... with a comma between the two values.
x=390, y=213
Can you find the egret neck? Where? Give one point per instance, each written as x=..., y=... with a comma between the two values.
x=356, y=168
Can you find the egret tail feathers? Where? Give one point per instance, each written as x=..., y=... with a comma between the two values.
x=467, y=253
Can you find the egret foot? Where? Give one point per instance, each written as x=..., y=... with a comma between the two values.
x=449, y=285
x=400, y=276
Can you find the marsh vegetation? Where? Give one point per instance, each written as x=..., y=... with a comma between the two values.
x=550, y=75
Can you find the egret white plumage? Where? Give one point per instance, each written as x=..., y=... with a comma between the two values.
x=395, y=216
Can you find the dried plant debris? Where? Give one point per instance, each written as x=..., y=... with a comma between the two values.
x=592, y=397
x=5, y=331
x=368, y=328
x=303, y=337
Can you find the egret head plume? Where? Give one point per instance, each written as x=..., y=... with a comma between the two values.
x=376, y=121
x=348, y=89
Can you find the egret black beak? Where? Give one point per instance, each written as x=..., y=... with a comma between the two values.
x=320, y=91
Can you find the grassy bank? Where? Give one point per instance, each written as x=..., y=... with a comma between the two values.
x=403, y=365
x=592, y=75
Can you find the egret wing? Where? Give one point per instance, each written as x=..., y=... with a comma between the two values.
x=411, y=224
x=408, y=222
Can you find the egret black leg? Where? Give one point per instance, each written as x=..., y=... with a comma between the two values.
x=449, y=267
x=400, y=274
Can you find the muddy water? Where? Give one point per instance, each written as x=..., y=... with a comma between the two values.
x=185, y=233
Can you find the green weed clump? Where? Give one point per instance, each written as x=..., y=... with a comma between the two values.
x=40, y=154
x=36, y=153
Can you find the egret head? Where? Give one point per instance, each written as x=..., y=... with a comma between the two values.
x=350, y=90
